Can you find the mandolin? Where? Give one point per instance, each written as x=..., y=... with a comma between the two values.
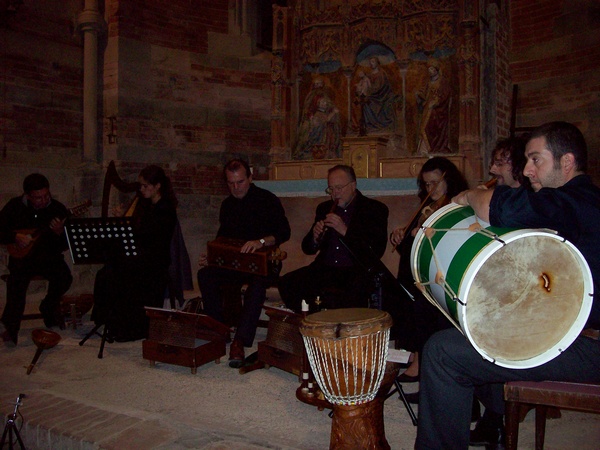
x=20, y=252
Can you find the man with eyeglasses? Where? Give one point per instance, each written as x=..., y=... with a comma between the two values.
x=33, y=227
x=257, y=217
x=346, y=228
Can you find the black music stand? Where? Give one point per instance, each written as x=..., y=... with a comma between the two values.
x=366, y=257
x=98, y=240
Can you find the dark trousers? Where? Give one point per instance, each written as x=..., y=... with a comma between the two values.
x=59, y=278
x=210, y=280
x=452, y=370
x=335, y=287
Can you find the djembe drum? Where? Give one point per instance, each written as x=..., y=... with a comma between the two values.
x=347, y=350
x=521, y=296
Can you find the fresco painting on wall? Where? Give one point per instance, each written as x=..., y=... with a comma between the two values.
x=431, y=109
x=320, y=127
x=373, y=99
x=434, y=107
x=377, y=101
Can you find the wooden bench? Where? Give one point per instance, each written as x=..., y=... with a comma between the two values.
x=544, y=395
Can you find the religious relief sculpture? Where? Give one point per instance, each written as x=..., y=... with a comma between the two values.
x=319, y=133
x=434, y=105
x=374, y=101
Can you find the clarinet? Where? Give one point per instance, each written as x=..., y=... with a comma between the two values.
x=333, y=206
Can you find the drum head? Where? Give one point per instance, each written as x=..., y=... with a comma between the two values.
x=345, y=322
x=527, y=302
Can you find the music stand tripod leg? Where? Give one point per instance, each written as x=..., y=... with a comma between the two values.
x=90, y=334
x=411, y=413
x=103, y=342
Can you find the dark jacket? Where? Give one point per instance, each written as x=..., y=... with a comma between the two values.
x=17, y=215
x=253, y=217
x=367, y=229
x=573, y=210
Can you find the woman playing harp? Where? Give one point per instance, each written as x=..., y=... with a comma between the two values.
x=124, y=286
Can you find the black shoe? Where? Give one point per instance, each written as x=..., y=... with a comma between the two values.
x=413, y=398
x=9, y=337
x=488, y=432
x=52, y=318
x=403, y=378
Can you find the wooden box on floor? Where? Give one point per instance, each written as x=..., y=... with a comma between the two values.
x=283, y=347
x=183, y=338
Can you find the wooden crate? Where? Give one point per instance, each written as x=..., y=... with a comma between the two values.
x=183, y=338
x=283, y=347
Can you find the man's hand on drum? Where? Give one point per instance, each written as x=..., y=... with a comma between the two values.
x=461, y=198
x=478, y=199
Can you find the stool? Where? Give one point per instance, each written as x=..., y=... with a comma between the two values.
x=544, y=394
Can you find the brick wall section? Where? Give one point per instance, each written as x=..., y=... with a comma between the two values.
x=172, y=24
x=555, y=60
x=193, y=108
x=503, y=78
x=41, y=79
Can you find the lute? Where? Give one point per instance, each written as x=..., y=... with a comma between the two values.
x=15, y=251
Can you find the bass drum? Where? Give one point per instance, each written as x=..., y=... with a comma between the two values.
x=521, y=296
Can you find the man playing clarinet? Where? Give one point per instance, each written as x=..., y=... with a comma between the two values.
x=349, y=232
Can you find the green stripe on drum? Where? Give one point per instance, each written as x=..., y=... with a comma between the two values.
x=447, y=221
x=464, y=256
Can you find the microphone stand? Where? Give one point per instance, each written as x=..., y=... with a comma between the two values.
x=11, y=427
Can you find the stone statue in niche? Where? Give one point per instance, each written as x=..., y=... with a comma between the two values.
x=374, y=100
x=319, y=133
x=434, y=106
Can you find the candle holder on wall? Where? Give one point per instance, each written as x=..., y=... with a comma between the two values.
x=112, y=130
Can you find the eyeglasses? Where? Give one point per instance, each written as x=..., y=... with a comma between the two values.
x=331, y=189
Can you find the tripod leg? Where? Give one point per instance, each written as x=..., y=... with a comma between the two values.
x=18, y=437
x=6, y=429
x=411, y=413
x=90, y=334
x=8, y=433
x=104, y=338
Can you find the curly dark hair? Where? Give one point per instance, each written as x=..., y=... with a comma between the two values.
x=455, y=180
x=513, y=150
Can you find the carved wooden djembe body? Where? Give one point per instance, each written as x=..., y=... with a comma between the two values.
x=347, y=351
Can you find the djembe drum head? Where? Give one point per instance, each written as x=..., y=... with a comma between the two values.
x=347, y=351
